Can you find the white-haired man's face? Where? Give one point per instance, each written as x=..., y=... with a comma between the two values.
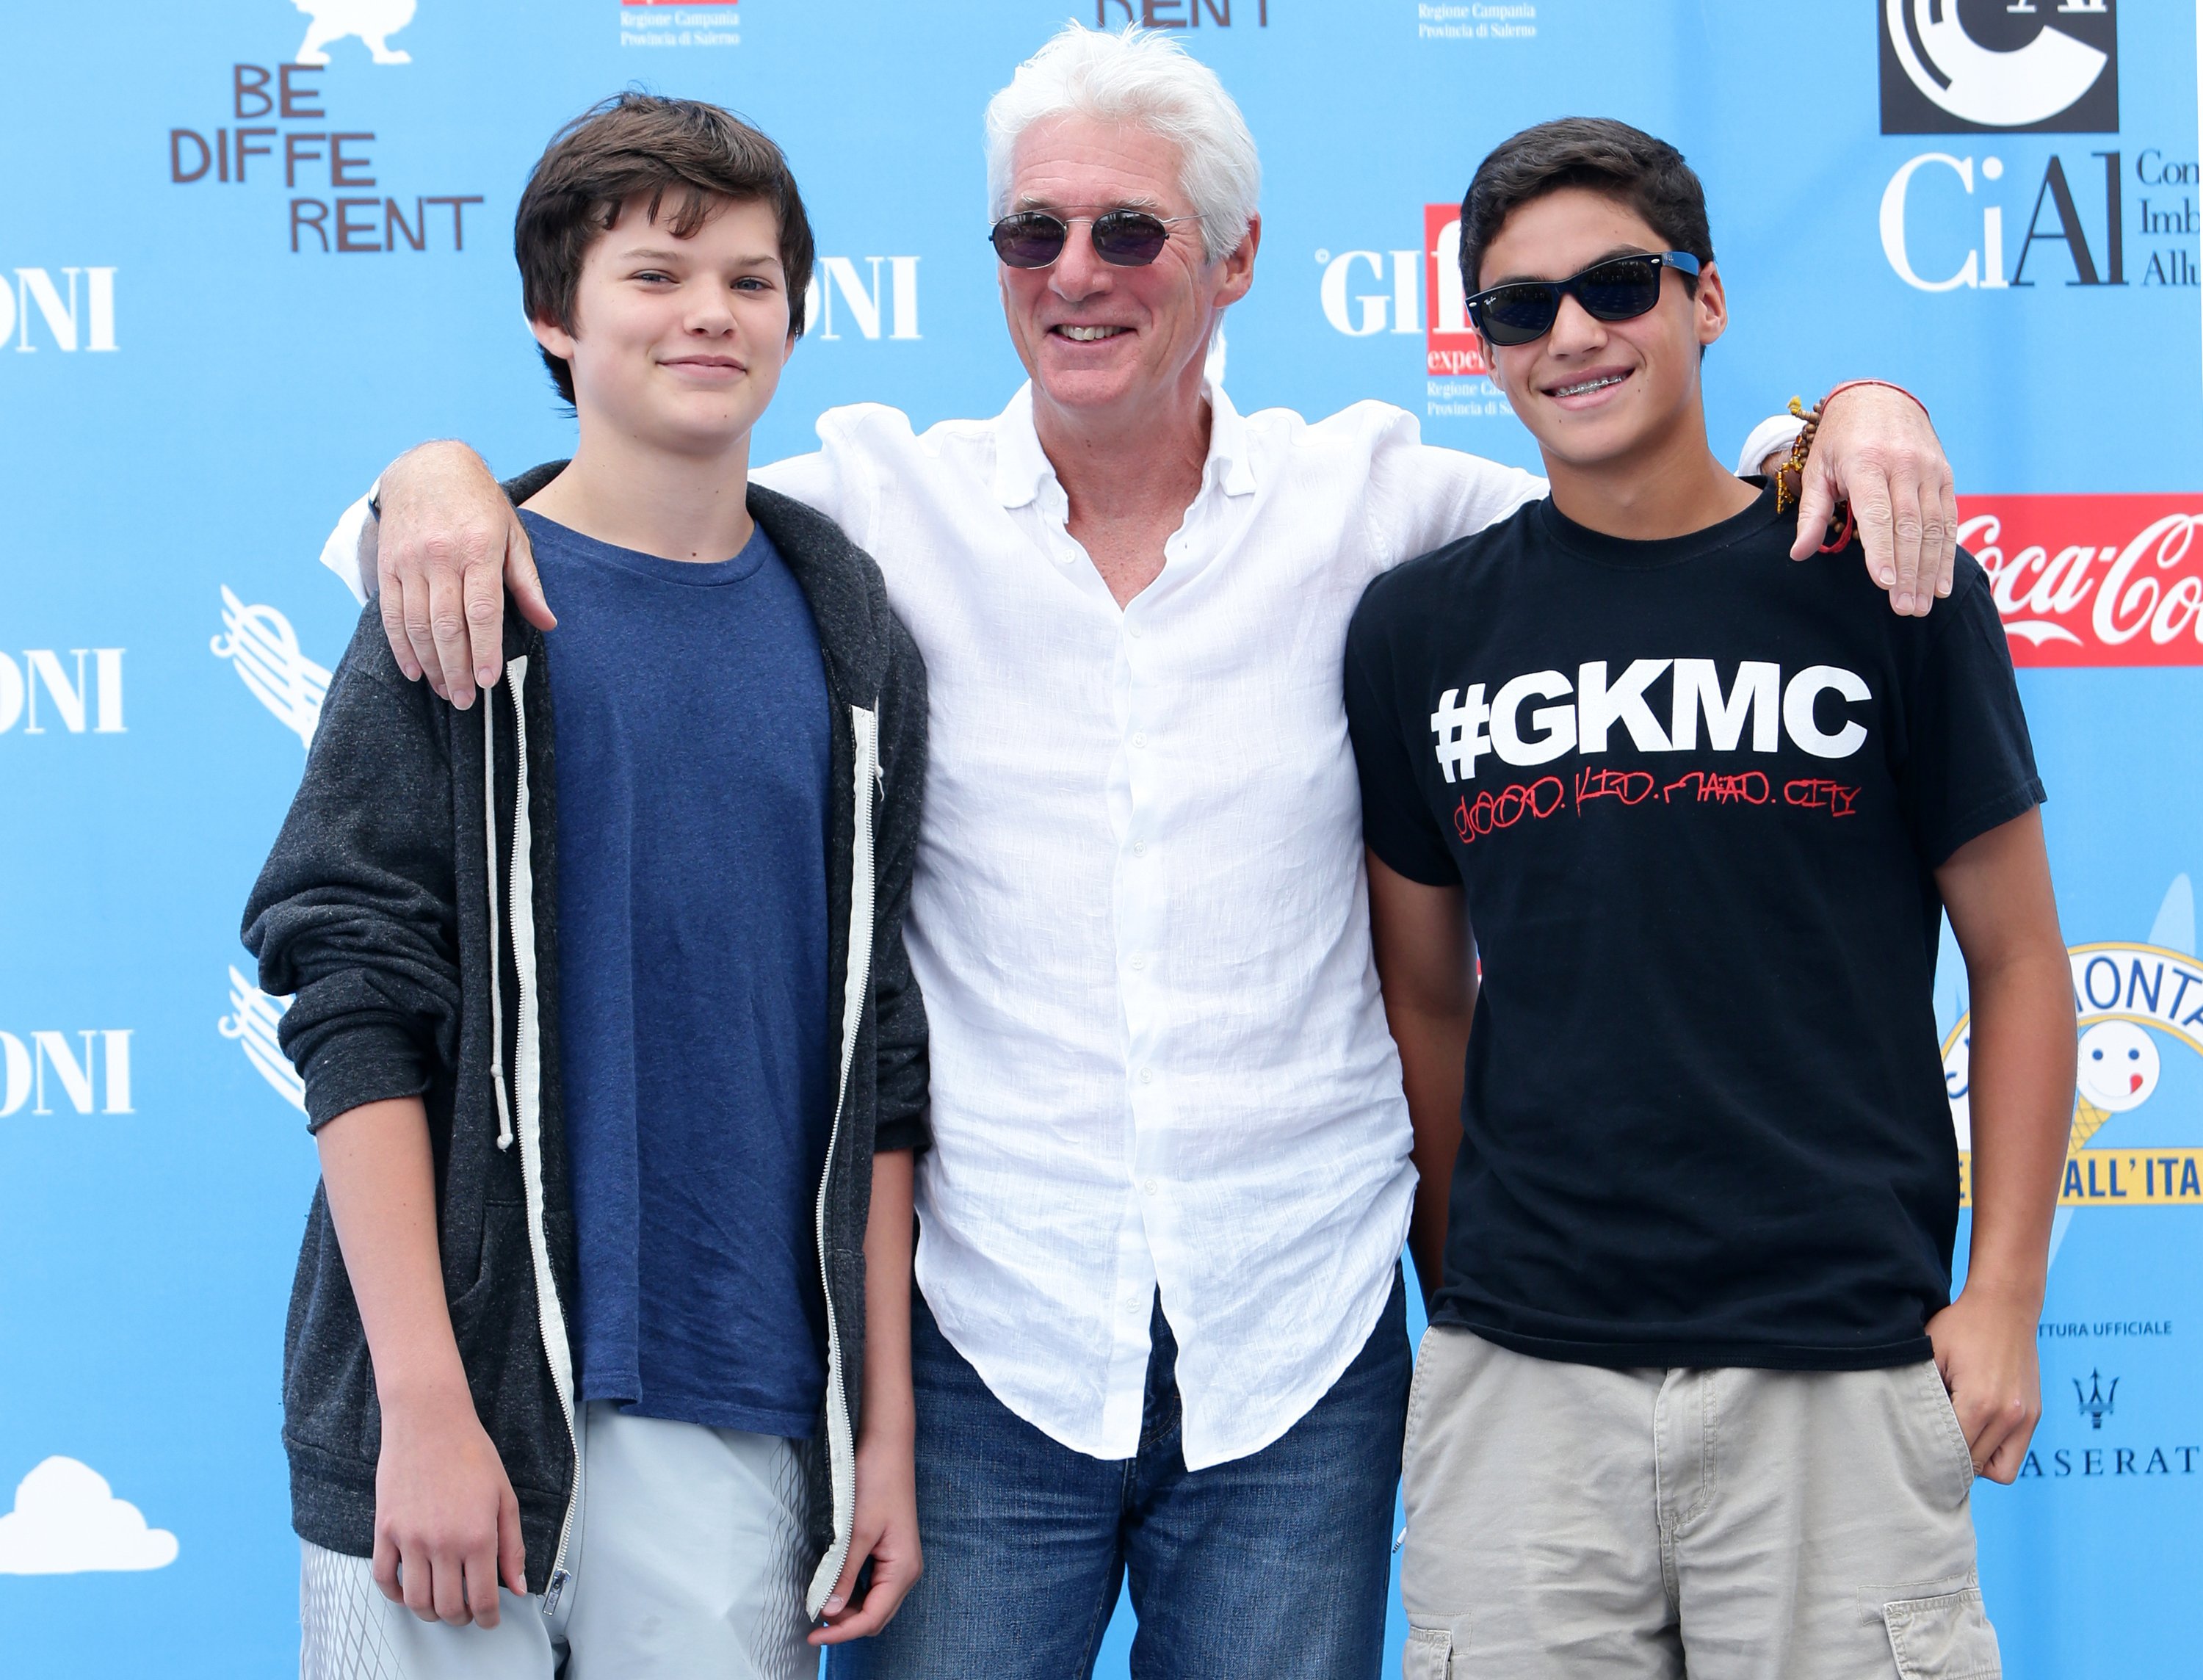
x=1095, y=337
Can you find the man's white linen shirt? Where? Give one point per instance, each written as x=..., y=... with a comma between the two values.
x=1138, y=914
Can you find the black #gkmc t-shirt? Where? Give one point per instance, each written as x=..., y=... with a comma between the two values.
x=1695, y=791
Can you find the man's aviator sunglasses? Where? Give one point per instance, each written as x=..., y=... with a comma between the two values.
x=1123, y=238
x=1622, y=288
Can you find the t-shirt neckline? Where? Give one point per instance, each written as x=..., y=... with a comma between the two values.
x=689, y=573
x=1598, y=547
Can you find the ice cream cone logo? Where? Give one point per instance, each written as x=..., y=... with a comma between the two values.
x=2118, y=1071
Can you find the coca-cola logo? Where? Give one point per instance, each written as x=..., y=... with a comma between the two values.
x=2093, y=579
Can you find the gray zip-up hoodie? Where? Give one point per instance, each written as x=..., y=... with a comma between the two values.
x=410, y=904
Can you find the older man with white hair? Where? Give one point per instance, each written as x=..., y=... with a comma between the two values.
x=1160, y=1326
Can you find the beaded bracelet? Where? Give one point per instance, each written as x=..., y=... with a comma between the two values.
x=1790, y=477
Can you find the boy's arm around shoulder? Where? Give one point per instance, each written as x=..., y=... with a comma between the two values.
x=901, y=1024
x=354, y=911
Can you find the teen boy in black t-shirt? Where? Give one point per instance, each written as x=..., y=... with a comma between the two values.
x=1695, y=1393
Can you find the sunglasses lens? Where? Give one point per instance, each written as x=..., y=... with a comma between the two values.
x=1619, y=291
x=1514, y=315
x=1129, y=239
x=1029, y=240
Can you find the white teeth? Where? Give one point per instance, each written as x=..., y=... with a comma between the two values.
x=1589, y=384
x=1088, y=335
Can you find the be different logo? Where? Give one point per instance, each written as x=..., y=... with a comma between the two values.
x=1953, y=66
x=2093, y=579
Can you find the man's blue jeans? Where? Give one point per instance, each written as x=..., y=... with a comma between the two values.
x=1273, y=1567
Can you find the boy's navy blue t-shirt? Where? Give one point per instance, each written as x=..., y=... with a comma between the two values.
x=1695, y=792
x=694, y=764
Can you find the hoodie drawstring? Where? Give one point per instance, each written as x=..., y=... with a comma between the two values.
x=496, y=911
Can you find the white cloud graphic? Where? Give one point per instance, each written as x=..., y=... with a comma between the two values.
x=67, y=1521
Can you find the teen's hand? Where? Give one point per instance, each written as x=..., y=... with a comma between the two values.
x=448, y=546
x=446, y=1525
x=1876, y=451
x=1985, y=1347
x=886, y=1531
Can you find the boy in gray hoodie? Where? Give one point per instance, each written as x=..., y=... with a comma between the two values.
x=612, y=1052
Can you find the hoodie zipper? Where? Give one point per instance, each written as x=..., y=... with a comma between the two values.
x=863, y=892
x=550, y=1320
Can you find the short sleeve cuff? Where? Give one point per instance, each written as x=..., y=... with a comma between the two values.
x=1989, y=814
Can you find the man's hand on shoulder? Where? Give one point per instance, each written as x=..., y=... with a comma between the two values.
x=449, y=548
x=1876, y=451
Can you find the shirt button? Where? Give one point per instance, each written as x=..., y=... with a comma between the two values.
x=1139, y=848
x=1146, y=1076
x=1139, y=738
x=1139, y=962
x=1153, y=1187
x=1133, y=631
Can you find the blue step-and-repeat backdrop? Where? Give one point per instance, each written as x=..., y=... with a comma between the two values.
x=250, y=249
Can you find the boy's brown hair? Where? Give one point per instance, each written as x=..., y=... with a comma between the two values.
x=638, y=143
x=1625, y=163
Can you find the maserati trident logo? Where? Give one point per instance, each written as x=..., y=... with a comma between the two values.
x=2096, y=1402
x=269, y=663
x=1951, y=66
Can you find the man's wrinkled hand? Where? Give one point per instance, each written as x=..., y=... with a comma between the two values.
x=1876, y=451
x=448, y=548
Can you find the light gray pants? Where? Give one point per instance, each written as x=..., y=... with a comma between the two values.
x=688, y=1564
x=1567, y=1520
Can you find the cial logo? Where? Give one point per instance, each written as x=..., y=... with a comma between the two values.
x=1951, y=66
x=264, y=652
x=2074, y=234
x=2093, y=579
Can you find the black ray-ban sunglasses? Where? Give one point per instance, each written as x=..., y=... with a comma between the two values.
x=1123, y=238
x=1622, y=288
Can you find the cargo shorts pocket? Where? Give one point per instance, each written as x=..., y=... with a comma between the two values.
x=1428, y=1655
x=1950, y=1435
x=1945, y=1637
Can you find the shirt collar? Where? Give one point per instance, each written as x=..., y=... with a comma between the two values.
x=1022, y=467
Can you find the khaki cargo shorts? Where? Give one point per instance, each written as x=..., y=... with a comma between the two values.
x=1567, y=1520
